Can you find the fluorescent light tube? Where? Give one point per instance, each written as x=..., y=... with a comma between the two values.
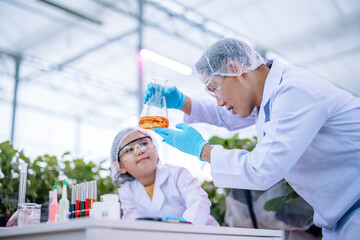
x=166, y=62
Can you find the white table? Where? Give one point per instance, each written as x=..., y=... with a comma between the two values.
x=104, y=229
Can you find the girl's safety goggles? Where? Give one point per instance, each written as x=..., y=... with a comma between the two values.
x=131, y=148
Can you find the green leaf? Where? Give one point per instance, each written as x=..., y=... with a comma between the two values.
x=65, y=154
x=274, y=204
x=216, y=141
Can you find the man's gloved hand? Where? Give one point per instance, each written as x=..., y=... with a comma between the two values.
x=174, y=98
x=188, y=140
x=168, y=218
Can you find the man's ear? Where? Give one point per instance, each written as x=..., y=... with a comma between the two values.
x=233, y=67
x=122, y=168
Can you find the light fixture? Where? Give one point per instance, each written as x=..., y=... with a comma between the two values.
x=166, y=62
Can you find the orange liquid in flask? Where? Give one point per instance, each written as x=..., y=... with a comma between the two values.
x=149, y=122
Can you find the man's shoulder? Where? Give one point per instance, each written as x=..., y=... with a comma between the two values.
x=299, y=78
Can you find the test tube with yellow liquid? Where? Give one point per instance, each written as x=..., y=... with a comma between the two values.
x=154, y=113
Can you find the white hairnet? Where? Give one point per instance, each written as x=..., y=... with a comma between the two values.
x=214, y=60
x=116, y=175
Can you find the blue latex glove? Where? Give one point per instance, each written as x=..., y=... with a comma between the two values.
x=180, y=219
x=174, y=98
x=188, y=140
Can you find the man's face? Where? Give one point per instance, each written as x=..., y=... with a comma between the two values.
x=138, y=158
x=233, y=92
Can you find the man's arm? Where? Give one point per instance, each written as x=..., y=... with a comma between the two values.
x=187, y=106
x=206, y=151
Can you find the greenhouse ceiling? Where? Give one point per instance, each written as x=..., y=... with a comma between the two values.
x=78, y=59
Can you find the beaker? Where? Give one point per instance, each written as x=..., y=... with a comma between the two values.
x=28, y=213
x=154, y=113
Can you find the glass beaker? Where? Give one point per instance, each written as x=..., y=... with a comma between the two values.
x=28, y=213
x=154, y=113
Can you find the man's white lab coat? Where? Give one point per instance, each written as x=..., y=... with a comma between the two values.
x=308, y=133
x=176, y=194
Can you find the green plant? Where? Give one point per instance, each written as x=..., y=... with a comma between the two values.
x=217, y=198
x=78, y=171
x=9, y=177
x=43, y=172
x=235, y=142
x=276, y=204
x=217, y=195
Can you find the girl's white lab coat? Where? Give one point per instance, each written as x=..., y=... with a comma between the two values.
x=308, y=133
x=176, y=194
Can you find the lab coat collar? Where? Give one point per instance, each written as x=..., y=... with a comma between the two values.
x=157, y=201
x=271, y=83
x=272, y=80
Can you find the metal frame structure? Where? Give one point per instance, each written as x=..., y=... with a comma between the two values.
x=174, y=12
x=142, y=23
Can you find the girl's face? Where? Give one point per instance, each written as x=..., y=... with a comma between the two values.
x=139, y=158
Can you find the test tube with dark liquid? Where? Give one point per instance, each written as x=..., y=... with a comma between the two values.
x=72, y=203
x=82, y=198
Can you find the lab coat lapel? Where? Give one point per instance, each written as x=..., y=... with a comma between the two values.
x=162, y=173
x=271, y=83
x=141, y=197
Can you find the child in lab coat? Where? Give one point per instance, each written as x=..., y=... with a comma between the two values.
x=151, y=189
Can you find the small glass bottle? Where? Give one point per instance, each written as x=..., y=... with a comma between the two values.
x=54, y=207
x=64, y=204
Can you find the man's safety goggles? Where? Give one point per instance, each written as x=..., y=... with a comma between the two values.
x=213, y=82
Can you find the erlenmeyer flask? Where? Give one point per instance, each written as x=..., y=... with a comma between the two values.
x=154, y=113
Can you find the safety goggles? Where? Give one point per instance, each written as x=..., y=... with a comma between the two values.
x=132, y=148
x=213, y=82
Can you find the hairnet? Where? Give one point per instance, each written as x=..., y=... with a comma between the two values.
x=116, y=175
x=214, y=60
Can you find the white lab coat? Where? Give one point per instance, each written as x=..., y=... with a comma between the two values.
x=176, y=194
x=308, y=133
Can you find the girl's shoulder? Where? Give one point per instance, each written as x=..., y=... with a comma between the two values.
x=173, y=169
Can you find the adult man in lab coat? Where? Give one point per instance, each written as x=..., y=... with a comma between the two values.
x=308, y=132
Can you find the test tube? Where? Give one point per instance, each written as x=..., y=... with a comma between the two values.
x=77, y=201
x=77, y=197
x=82, y=198
x=87, y=195
x=72, y=203
x=94, y=184
x=22, y=183
x=91, y=194
x=87, y=200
